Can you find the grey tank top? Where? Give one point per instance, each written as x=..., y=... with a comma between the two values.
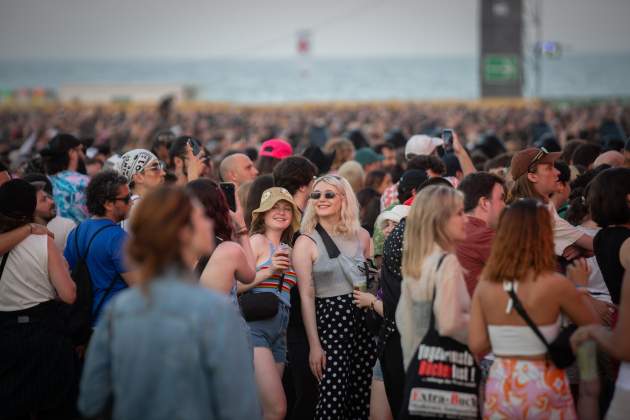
x=335, y=277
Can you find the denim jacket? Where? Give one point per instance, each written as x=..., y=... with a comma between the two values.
x=177, y=351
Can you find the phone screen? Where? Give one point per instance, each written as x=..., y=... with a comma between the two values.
x=447, y=136
x=230, y=193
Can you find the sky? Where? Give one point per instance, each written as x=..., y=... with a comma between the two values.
x=197, y=29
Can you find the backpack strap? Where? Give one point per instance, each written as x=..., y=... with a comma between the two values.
x=83, y=257
x=87, y=250
x=331, y=247
x=105, y=294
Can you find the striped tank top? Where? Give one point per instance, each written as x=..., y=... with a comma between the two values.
x=270, y=285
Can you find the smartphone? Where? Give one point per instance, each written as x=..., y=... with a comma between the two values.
x=447, y=136
x=194, y=145
x=229, y=189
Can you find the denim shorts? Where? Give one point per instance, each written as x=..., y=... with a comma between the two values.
x=377, y=372
x=272, y=333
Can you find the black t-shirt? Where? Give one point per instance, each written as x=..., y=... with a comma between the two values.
x=391, y=276
x=606, y=244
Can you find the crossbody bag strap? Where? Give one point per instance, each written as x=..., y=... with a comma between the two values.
x=331, y=247
x=4, y=262
x=521, y=311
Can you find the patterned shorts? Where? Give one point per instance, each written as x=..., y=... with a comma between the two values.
x=527, y=389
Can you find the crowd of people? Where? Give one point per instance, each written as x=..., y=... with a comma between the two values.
x=346, y=263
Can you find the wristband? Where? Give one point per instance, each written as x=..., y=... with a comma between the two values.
x=242, y=231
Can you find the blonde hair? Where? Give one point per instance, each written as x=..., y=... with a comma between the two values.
x=426, y=226
x=353, y=172
x=349, y=223
x=343, y=148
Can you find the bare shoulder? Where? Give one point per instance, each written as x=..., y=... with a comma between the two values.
x=364, y=237
x=228, y=249
x=305, y=245
x=555, y=281
x=257, y=238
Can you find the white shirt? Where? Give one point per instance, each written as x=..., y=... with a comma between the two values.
x=25, y=282
x=61, y=227
x=596, y=284
x=564, y=233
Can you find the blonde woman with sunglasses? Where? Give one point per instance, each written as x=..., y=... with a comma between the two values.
x=342, y=352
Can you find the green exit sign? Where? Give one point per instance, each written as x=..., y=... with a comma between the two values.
x=501, y=68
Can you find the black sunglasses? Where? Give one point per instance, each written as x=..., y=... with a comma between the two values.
x=329, y=195
x=126, y=199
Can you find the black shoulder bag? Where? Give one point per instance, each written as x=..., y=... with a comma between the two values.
x=559, y=350
x=259, y=306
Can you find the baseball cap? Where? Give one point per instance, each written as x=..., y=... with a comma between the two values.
x=270, y=197
x=365, y=156
x=133, y=162
x=523, y=160
x=410, y=180
x=60, y=144
x=421, y=144
x=276, y=148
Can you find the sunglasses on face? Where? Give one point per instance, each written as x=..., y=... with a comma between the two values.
x=329, y=195
x=156, y=167
x=126, y=199
x=541, y=154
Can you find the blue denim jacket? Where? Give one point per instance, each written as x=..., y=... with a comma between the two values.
x=176, y=352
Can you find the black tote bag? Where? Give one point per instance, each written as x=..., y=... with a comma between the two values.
x=442, y=380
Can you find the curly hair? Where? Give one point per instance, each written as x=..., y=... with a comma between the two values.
x=101, y=189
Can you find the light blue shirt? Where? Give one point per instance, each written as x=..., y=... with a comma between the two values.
x=178, y=351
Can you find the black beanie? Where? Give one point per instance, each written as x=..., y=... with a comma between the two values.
x=18, y=199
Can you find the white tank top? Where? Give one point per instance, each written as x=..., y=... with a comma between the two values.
x=623, y=380
x=25, y=281
x=520, y=340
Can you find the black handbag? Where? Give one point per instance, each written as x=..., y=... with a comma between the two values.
x=259, y=306
x=442, y=380
x=559, y=350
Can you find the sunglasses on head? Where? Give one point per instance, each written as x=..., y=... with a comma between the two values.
x=541, y=154
x=329, y=195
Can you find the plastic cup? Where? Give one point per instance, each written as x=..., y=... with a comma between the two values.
x=587, y=360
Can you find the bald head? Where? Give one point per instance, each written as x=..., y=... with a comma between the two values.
x=612, y=158
x=237, y=168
